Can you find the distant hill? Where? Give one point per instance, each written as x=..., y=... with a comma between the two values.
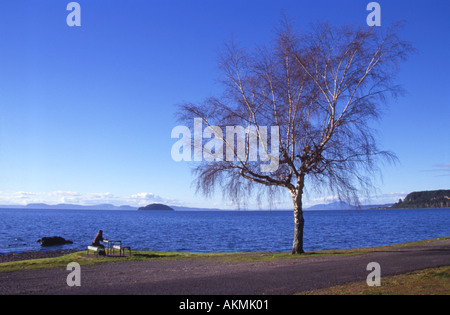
x=425, y=199
x=156, y=206
x=339, y=205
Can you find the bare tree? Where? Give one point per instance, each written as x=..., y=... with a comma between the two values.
x=318, y=92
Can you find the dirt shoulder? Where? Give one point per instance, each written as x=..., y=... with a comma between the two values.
x=209, y=277
x=33, y=255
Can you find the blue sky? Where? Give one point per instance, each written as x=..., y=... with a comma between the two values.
x=87, y=112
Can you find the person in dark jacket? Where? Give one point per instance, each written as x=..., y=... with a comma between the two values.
x=99, y=238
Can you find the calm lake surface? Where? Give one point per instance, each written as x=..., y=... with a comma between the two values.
x=220, y=231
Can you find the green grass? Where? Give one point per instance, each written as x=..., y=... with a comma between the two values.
x=434, y=281
x=82, y=259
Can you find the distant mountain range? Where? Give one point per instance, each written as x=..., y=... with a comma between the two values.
x=105, y=206
x=65, y=206
x=341, y=205
x=418, y=199
x=68, y=206
x=421, y=199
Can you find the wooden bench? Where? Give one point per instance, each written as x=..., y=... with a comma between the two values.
x=95, y=249
x=122, y=249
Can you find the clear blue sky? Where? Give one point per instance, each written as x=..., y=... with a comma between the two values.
x=87, y=112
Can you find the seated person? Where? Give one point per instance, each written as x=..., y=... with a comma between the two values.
x=96, y=242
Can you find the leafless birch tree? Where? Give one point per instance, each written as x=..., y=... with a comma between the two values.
x=317, y=94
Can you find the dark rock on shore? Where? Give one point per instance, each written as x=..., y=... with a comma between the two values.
x=53, y=241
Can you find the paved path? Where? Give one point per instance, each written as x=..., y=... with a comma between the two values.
x=205, y=277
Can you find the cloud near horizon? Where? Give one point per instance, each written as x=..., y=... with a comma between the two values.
x=88, y=199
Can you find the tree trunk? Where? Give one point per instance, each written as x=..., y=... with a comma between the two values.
x=299, y=221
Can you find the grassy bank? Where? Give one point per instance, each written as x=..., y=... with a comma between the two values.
x=435, y=281
x=83, y=259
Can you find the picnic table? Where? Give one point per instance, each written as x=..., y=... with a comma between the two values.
x=112, y=245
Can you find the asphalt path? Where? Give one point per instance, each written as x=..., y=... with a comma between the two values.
x=207, y=277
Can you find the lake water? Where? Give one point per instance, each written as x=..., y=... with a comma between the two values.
x=220, y=231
